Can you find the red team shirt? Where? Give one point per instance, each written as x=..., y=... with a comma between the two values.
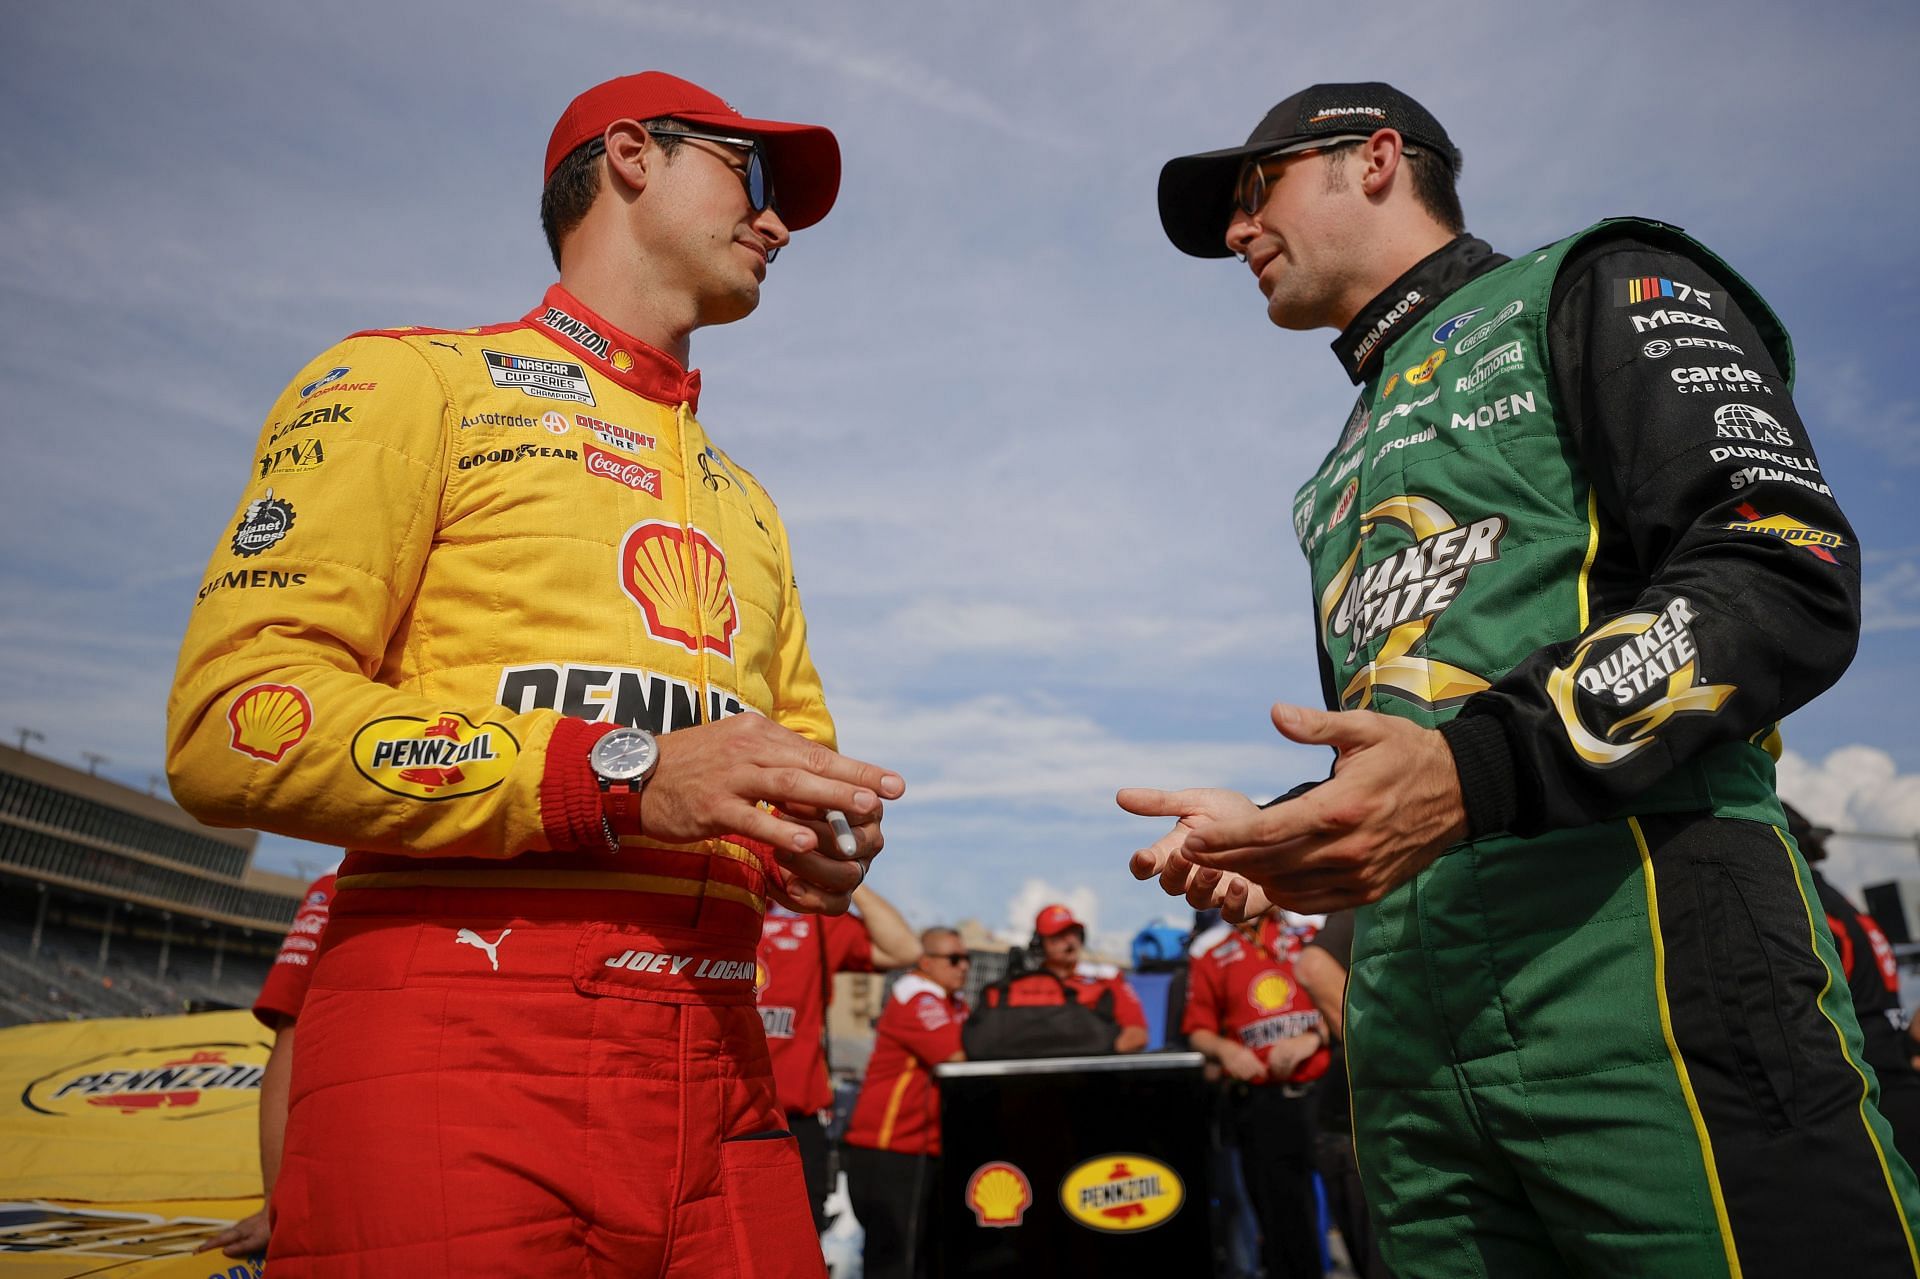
x=286, y=986
x=1091, y=980
x=899, y=1106
x=1245, y=987
x=792, y=1002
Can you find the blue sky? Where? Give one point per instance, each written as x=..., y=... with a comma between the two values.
x=1036, y=464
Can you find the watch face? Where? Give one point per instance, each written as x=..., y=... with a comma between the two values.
x=624, y=755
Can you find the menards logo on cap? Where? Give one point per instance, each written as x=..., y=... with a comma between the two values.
x=180, y=1082
x=1122, y=1194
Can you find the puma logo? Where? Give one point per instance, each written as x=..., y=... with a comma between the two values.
x=468, y=937
x=455, y=348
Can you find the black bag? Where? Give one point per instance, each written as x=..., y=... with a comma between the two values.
x=1035, y=1014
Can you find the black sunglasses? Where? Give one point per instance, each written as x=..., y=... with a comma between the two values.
x=957, y=957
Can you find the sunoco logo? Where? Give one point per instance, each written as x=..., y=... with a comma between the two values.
x=179, y=1082
x=444, y=758
x=1122, y=1194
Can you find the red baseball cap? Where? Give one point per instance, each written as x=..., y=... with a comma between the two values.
x=805, y=157
x=1056, y=919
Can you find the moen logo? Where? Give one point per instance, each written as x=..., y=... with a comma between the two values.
x=445, y=758
x=1788, y=530
x=1401, y=596
x=999, y=1194
x=1122, y=1194
x=178, y=1082
x=1655, y=654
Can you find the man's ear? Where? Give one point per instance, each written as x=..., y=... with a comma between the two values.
x=629, y=157
x=1382, y=152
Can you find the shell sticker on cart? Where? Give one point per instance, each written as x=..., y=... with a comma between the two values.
x=999, y=1194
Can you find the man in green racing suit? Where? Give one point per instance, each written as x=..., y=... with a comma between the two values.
x=1572, y=559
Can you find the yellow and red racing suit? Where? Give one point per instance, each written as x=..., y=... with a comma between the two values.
x=460, y=558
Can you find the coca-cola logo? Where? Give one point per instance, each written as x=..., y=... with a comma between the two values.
x=643, y=479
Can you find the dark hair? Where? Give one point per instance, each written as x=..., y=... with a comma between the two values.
x=1433, y=186
x=575, y=182
x=1433, y=180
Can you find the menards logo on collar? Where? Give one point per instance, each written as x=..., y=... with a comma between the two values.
x=178, y=1082
x=1401, y=597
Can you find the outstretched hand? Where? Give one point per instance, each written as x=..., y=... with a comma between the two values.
x=1392, y=805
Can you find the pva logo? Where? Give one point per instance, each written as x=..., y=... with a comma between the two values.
x=1122, y=1194
x=177, y=1082
x=999, y=1195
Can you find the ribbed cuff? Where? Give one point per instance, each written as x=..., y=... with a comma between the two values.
x=569, y=793
x=1484, y=760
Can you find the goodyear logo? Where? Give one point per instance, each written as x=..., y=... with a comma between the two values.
x=180, y=1082
x=1122, y=1194
x=999, y=1194
x=443, y=758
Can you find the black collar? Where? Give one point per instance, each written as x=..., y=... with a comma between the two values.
x=1408, y=298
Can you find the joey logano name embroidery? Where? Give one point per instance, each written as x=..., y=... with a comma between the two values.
x=1420, y=581
x=649, y=961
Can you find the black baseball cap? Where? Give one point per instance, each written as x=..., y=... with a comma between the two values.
x=1196, y=191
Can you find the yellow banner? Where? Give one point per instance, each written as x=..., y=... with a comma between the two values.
x=132, y=1109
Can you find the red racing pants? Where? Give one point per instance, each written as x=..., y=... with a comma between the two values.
x=490, y=1089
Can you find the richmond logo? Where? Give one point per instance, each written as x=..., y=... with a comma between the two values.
x=1401, y=596
x=678, y=577
x=1655, y=655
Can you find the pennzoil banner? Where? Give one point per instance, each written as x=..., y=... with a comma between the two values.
x=127, y=1110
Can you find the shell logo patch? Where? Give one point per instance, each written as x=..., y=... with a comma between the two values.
x=269, y=720
x=1270, y=992
x=180, y=1082
x=679, y=576
x=999, y=1194
x=1122, y=1194
x=444, y=758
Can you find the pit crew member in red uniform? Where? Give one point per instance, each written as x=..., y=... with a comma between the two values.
x=893, y=1142
x=1247, y=1010
x=1063, y=944
x=498, y=615
x=798, y=956
x=277, y=1005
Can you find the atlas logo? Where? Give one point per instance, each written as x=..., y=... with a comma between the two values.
x=1402, y=596
x=1649, y=653
x=1789, y=530
x=1750, y=422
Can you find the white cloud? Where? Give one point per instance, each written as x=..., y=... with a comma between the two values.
x=1890, y=596
x=1858, y=788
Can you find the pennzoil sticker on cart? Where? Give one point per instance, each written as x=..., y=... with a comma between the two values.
x=447, y=757
x=1122, y=1193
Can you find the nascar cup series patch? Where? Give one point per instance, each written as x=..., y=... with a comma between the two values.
x=447, y=757
x=1122, y=1194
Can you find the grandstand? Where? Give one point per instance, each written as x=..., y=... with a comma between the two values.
x=114, y=903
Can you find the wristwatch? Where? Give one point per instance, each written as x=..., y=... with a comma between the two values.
x=622, y=761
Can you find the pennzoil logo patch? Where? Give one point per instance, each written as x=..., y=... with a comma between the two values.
x=1122, y=1194
x=184, y=1081
x=449, y=757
